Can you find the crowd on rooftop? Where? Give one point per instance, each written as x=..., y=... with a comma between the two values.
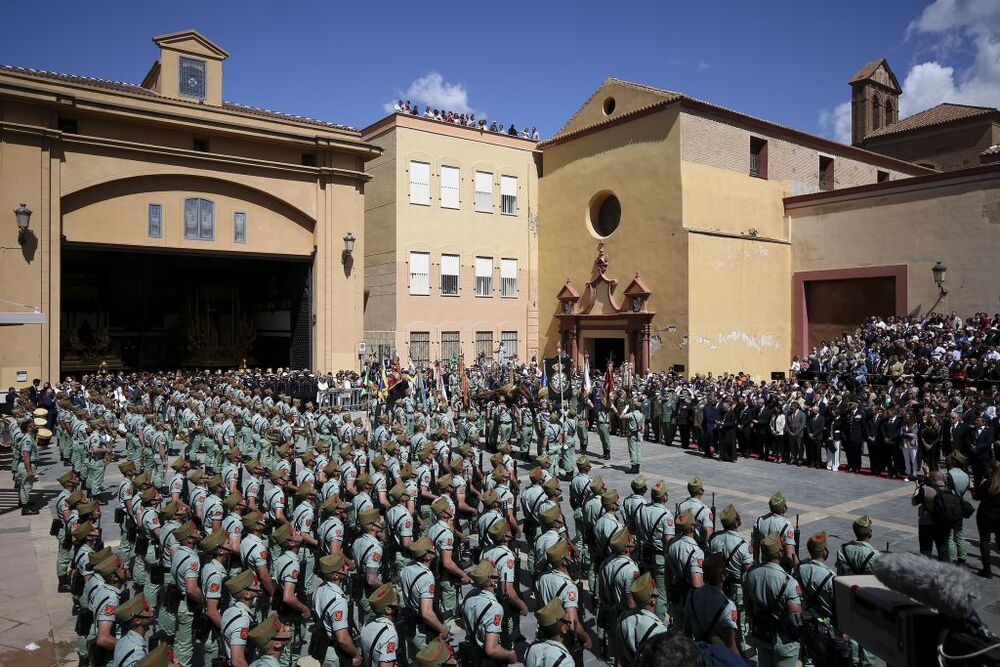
x=468, y=120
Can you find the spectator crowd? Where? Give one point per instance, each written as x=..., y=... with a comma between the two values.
x=468, y=120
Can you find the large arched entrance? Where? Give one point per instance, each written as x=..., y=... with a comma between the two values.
x=606, y=327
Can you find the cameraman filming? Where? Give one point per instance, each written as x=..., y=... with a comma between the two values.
x=933, y=526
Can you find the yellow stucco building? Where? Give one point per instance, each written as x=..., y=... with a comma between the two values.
x=451, y=242
x=170, y=227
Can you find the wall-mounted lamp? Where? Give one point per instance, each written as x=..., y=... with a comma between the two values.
x=23, y=215
x=939, y=270
x=346, y=256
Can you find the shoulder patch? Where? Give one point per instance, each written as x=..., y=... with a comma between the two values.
x=213, y=588
x=244, y=633
x=390, y=647
x=109, y=609
x=338, y=615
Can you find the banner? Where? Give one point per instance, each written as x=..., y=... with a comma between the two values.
x=559, y=371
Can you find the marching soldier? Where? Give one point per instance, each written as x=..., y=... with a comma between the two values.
x=213, y=574
x=633, y=503
x=703, y=520
x=775, y=522
x=710, y=616
x=331, y=641
x=774, y=601
x=604, y=428
x=61, y=513
x=656, y=523
x=239, y=617
x=737, y=559
x=555, y=583
x=185, y=566
x=549, y=648
x=507, y=563
x=568, y=451
x=420, y=622
x=379, y=637
x=103, y=602
x=290, y=600
x=483, y=615
x=254, y=554
x=271, y=638
x=685, y=560
x=592, y=510
x=134, y=618
x=553, y=440
x=399, y=528
x=633, y=424
x=856, y=557
x=636, y=625
x=451, y=576
x=531, y=504
x=617, y=573
x=579, y=494
x=367, y=552
x=303, y=522
x=816, y=581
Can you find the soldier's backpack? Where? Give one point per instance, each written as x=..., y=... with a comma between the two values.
x=947, y=508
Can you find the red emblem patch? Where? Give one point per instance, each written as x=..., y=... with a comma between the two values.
x=496, y=619
x=448, y=542
x=408, y=524
x=430, y=589
x=571, y=595
x=338, y=615
x=213, y=588
x=789, y=535
x=376, y=556
x=154, y=521
x=194, y=567
x=670, y=521
x=108, y=610
x=390, y=647
x=295, y=574
x=735, y=615
x=263, y=554
x=701, y=562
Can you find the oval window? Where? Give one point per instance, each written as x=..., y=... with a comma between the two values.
x=605, y=214
x=609, y=106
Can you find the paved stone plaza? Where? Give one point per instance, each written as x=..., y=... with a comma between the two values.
x=36, y=627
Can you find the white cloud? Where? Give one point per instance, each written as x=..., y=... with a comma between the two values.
x=432, y=90
x=836, y=123
x=704, y=66
x=925, y=85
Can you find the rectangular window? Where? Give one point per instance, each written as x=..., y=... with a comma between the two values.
x=508, y=345
x=239, y=227
x=508, y=195
x=192, y=77
x=825, y=173
x=758, y=157
x=449, y=187
x=420, y=269
x=882, y=176
x=484, y=345
x=449, y=274
x=484, y=276
x=154, y=221
x=420, y=183
x=67, y=125
x=508, y=277
x=450, y=346
x=484, y=192
x=199, y=219
x=308, y=159
x=420, y=348
x=200, y=145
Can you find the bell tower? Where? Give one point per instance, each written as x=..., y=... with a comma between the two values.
x=874, y=99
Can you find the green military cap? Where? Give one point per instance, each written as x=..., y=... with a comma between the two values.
x=554, y=418
x=489, y=498
x=265, y=631
x=108, y=566
x=251, y=519
x=499, y=474
x=305, y=490
x=770, y=546
x=232, y=500
x=378, y=461
x=392, y=447
x=407, y=471
x=499, y=531
x=609, y=499
x=440, y=506
x=346, y=450
x=715, y=566
x=558, y=552
x=131, y=608
x=505, y=448
x=87, y=508
x=694, y=486
x=368, y=517
x=620, y=540
x=495, y=459
x=457, y=464
x=282, y=534
x=158, y=657
x=639, y=483
x=308, y=457
x=597, y=484
x=551, y=516
x=817, y=544
x=862, y=526
x=420, y=547
x=332, y=504
x=444, y=481
x=65, y=478
x=551, y=613
x=279, y=474
x=74, y=499
x=481, y=573
x=82, y=530
x=583, y=463
x=96, y=557
x=126, y=467
x=643, y=588
x=241, y=581
x=543, y=460
x=141, y=479
x=254, y=464
x=213, y=541
x=397, y=491
x=331, y=468
x=777, y=502
x=383, y=597
x=320, y=446
x=196, y=475
x=185, y=530
x=364, y=479
x=435, y=654
x=178, y=463
x=332, y=563
x=958, y=457
x=551, y=487
x=147, y=495
x=233, y=453
x=215, y=482
x=659, y=491
x=685, y=520
x=425, y=455
x=730, y=517
x=170, y=510
x=282, y=450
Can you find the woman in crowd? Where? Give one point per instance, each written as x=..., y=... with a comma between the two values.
x=988, y=516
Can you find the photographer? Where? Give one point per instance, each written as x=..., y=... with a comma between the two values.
x=933, y=529
x=988, y=515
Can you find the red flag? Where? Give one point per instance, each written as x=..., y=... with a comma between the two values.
x=609, y=381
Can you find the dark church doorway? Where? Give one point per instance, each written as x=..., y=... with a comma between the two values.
x=608, y=349
x=840, y=304
x=148, y=310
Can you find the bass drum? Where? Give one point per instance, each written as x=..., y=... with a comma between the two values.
x=6, y=442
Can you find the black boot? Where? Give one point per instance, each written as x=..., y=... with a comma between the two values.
x=63, y=583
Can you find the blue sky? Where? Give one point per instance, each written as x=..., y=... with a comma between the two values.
x=534, y=63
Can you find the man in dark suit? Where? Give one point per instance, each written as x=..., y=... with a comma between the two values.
x=958, y=435
x=796, y=427
x=744, y=420
x=815, y=429
x=890, y=435
x=857, y=431
x=727, y=432
x=762, y=429
x=875, y=455
x=711, y=423
x=982, y=450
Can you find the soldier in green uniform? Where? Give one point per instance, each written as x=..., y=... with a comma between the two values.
x=633, y=503
x=709, y=615
x=603, y=417
x=61, y=512
x=555, y=583
x=243, y=589
x=367, y=555
x=685, y=561
x=579, y=494
x=289, y=596
x=774, y=602
x=450, y=575
x=484, y=617
x=271, y=638
x=614, y=581
x=703, y=519
x=507, y=563
x=959, y=482
x=638, y=624
x=420, y=622
x=185, y=566
x=24, y=473
x=331, y=642
x=436, y=654
x=217, y=554
x=553, y=440
x=656, y=530
x=134, y=618
x=632, y=422
x=549, y=648
x=570, y=443
x=774, y=522
x=399, y=525
x=379, y=637
x=738, y=561
x=103, y=601
x=856, y=557
x=816, y=581
x=552, y=522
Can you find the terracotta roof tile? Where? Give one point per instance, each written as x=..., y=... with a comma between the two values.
x=134, y=89
x=945, y=112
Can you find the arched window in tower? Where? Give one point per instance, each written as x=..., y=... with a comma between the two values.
x=876, y=113
x=889, y=117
